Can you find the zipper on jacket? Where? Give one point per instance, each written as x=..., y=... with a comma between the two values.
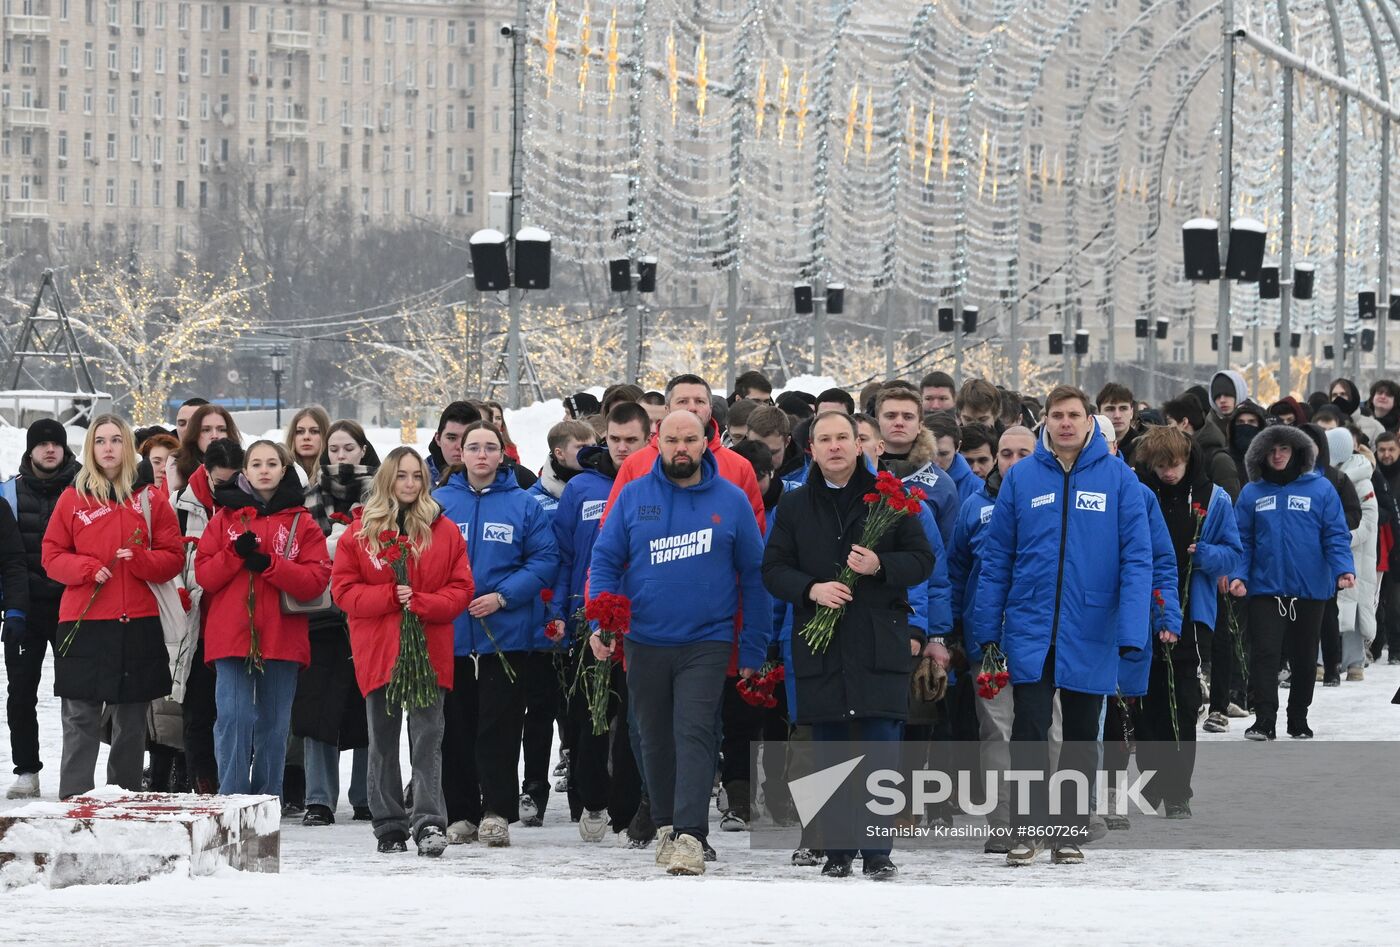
x=1060, y=569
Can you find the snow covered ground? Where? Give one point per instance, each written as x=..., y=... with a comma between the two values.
x=549, y=886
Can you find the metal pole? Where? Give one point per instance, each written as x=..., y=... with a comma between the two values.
x=631, y=303
x=1285, y=271
x=888, y=305
x=1383, y=282
x=517, y=92
x=1068, y=314
x=957, y=344
x=632, y=357
x=1227, y=136
x=277, y=393
x=731, y=325
x=1014, y=315
x=818, y=328
x=1340, y=294
x=1151, y=361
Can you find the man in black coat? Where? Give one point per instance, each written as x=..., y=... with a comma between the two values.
x=858, y=688
x=47, y=469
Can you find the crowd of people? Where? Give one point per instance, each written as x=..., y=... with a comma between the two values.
x=228, y=614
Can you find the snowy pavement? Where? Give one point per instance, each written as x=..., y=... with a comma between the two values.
x=550, y=887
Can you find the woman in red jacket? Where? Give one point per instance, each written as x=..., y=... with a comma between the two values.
x=261, y=543
x=108, y=537
x=439, y=588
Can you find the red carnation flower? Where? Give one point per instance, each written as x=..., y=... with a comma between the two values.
x=554, y=631
x=611, y=611
x=185, y=601
x=388, y=536
x=340, y=518
x=189, y=540
x=871, y=498
x=918, y=494
x=248, y=513
x=392, y=554
x=546, y=595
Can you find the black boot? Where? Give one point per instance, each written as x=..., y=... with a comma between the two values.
x=837, y=866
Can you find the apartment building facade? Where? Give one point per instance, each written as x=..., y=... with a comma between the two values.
x=129, y=124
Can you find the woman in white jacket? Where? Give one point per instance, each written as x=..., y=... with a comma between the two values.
x=1356, y=606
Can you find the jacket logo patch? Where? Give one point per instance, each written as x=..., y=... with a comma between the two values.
x=465, y=529
x=927, y=477
x=1043, y=500
x=1300, y=503
x=684, y=546
x=1094, y=502
x=498, y=532
x=986, y=514
x=90, y=515
x=1265, y=503
x=649, y=511
x=592, y=510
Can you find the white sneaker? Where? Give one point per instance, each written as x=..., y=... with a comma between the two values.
x=1023, y=853
x=592, y=826
x=494, y=831
x=530, y=814
x=26, y=787
x=687, y=856
x=665, y=844
x=1236, y=711
x=461, y=832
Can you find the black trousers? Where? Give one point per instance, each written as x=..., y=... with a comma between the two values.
x=460, y=790
x=1388, y=617
x=544, y=696
x=625, y=787
x=24, y=665
x=1278, y=628
x=199, y=712
x=589, y=777
x=1330, y=634
x=1030, y=734
x=742, y=725
x=1171, y=753
x=1226, y=674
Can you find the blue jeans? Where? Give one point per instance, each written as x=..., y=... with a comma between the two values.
x=250, y=734
x=322, y=761
x=863, y=730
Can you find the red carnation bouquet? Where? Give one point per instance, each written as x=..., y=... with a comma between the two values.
x=413, y=682
x=994, y=677
x=613, y=615
x=254, y=660
x=759, y=690
x=553, y=628
x=134, y=542
x=886, y=504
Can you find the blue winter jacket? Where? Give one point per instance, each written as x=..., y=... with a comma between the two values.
x=976, y=512
x=1294, y=539
x=964, y=479
x=575, y=522
x=511, y=548
x=1218, y=553
x=933, y=604
x=683, y=555
x=942, y=493
x=1135, y=666
x=1066, y=560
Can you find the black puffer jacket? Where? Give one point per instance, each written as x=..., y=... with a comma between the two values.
x=36, y=498
x=865, y=671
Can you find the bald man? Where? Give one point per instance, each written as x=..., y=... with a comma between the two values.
x=993, y=716
x=681, y=543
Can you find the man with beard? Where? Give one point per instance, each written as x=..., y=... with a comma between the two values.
x=993, y=716
x=47, y=469
x=682, y=545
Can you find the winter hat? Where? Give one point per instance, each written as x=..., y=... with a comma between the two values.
x=1201, y=395
x=1221, y=385
x=1106, y=428
x=582, y=405
x=1351, y=401
x=1340, y=446
x=45, y=431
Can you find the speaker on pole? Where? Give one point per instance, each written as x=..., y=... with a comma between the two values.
x=946, y=322
x=835, y=299
x=646, y=274
x=969, y=320
x=490, y=270
x=532, y=250
x=1081, y=341
x=1236, y=343
x=1303, y=275
x=1200, y=246
x=1268, y=282
x=1366, y=304
x=1057, y=343
x=1246, y=254
x=802, y=299
x=1140, y=327
x=1162, y=326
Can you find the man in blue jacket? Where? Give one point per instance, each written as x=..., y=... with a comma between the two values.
x=1065, y=584
x=681, y=543
x=580, y=510
x=994, y=715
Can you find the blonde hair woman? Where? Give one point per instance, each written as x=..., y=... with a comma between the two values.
x=438, y=589
x=109, y=536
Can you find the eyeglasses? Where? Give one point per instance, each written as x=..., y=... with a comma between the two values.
x=482, y=449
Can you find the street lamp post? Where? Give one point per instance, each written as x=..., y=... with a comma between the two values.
x=278, y=367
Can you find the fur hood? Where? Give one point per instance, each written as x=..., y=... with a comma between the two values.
x=1304, y=450
x=920, y=456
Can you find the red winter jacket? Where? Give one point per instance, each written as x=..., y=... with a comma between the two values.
x=219, y=571
x=84, y=535
x=363, y=587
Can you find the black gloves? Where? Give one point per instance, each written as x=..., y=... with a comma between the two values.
x=256, y=561
x=246, y=544
x=15, y=628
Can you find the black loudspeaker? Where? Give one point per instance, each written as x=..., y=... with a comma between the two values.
x=1057, y=344
x=1278, y=341
x=620, y=275
x=490, y=271
x=1140, y=327
x=1081, y=341
x=646, y=274
x=1394, y=314
x=946, y=322
x=1237, y=343
x=836, y=299
x=1328, y=352
x=1162, y=327
x=1303, y=275
x=1295, y=339
x=1268, y=282
x=1246, y=250
x=1368, y=340
x=1200, y=247
x=1366, y=305
x=532, y=248
x=969, y=320
x=1215, y=341
x=802, y=299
